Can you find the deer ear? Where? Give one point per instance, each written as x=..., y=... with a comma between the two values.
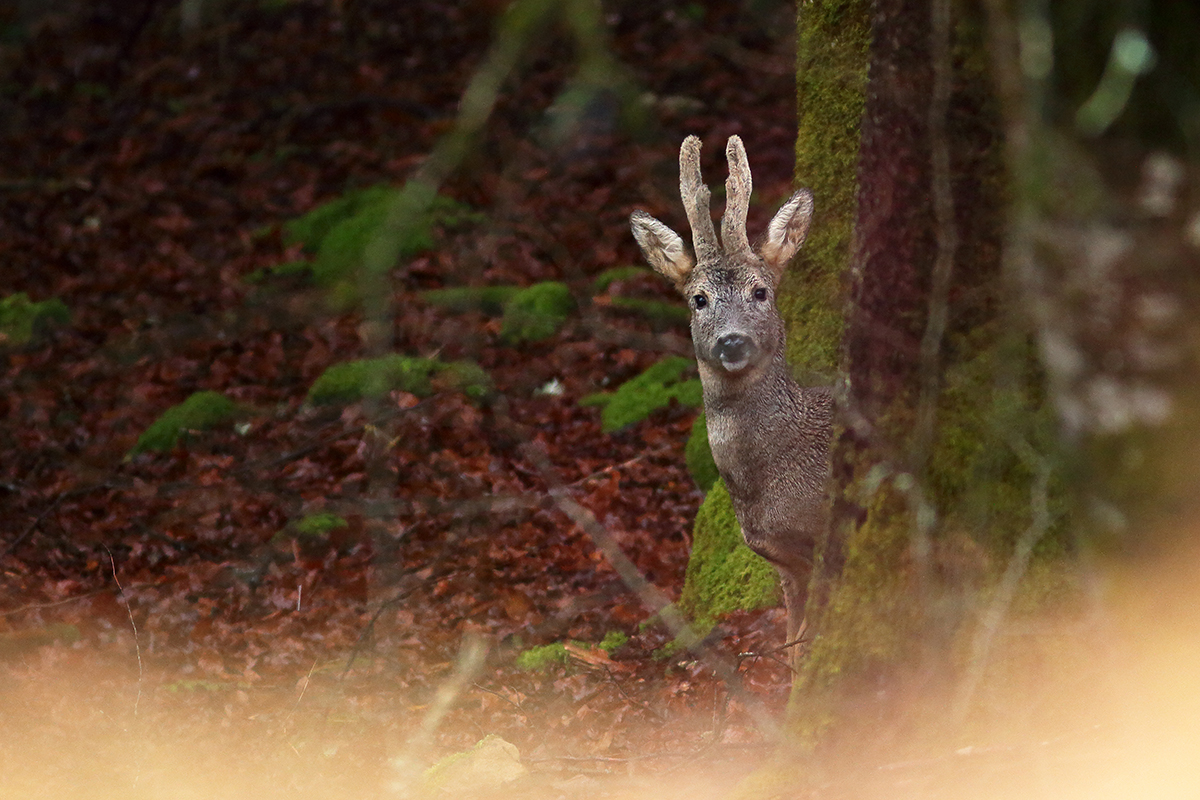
x=787, y=231
x=662, y=247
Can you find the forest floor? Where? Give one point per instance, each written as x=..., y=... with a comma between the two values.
x=167, y=628
x=159, y=637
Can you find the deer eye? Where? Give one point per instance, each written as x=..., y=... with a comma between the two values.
x=760, y=294
x=699, y=302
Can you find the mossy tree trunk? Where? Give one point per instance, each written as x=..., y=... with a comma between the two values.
x=980, y=414
x=922, y=284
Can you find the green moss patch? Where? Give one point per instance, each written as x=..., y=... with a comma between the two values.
x=654, y=310
x=201, y=411
x=542, y=657
x=605, y=279
x=457, y=299
x=289, y=270
x=613, y=641
x=530, y=314
x=464, y=376
x=313, y=533
x=537, y=312
x=655, y=388
x=21, y=319
x=871, y=618
x=374, y=377
x=657, y=312
x=320, y=524
x=723, y=575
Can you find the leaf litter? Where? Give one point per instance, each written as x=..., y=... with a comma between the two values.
x=141, y=183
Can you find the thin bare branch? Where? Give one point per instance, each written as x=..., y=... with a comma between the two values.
x=930, y=365
x=651, y=596
x=993, y=617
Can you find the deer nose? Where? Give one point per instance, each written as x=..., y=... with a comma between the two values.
x=733, y=350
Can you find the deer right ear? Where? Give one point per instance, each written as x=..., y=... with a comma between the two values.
x=662, y=248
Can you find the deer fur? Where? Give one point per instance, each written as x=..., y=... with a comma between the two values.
x=769, y=436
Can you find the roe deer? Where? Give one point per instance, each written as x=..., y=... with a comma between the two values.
x=769, y=437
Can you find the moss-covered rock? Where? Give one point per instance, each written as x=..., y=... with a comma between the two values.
x=637, y=398
x=201, y=411
x=537, y=312
x=457, y=299
x=21, y=319
x=698, y=456
x=657, y=312
x=482, y=771
x=374, y=377
x=311, y=229
x=723, y=575
x=339, y=233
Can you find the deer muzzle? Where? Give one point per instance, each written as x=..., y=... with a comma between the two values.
x=734, y=351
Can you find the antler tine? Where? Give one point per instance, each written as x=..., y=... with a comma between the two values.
x=737, y=198
x=696, y=201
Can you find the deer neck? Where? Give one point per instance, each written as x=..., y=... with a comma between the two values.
x=757, y=388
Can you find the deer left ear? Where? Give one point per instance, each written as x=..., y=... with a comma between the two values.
x=787, y=231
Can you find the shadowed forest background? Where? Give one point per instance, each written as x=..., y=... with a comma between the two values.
x=342, y=426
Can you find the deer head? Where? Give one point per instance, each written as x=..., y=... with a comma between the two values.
x=730, y=287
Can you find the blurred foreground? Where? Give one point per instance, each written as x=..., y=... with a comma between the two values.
x=1100, y=703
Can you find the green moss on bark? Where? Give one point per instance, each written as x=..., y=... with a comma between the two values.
x=873, y=602
x=930, y=517
x=832, y=44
